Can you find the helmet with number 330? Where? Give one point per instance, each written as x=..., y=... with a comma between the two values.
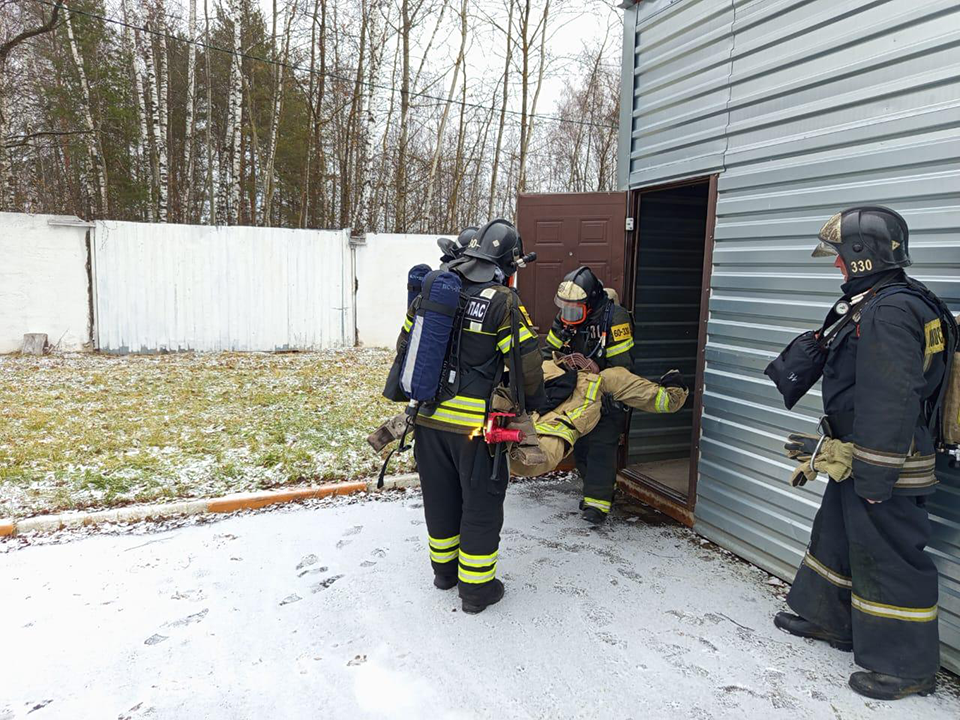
x=869, y=239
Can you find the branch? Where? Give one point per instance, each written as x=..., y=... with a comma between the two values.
x=8, y=46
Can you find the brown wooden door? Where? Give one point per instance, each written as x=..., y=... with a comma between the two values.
x=566, y=231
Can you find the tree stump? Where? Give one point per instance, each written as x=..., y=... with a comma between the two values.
x=34, y=343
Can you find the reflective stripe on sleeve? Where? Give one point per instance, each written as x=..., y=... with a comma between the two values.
x=662, y=401
x=620, y=348
x=554, y=341
x=407, y=323
x=506, y=343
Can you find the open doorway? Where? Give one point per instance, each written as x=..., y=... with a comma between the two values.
x=670, y=254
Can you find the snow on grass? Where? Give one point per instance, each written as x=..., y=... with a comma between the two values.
x=82, y=431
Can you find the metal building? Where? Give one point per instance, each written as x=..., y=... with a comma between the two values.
x=744, y=125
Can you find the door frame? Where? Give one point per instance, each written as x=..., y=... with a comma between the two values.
x=637, y=484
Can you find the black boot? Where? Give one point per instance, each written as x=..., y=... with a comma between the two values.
x=888, y=687
x=476, y=602
x=445, y=582
x=796, y=625
x=593, y=516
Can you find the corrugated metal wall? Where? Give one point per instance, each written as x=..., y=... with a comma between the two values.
x=190, y=287
x=820, y=104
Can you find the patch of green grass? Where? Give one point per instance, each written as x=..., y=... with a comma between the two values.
x=81, y=431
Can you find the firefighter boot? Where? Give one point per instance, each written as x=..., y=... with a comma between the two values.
x=888, y=687
x=477, y=602
x=593, y=516
x=444, y=582
x=796, y=625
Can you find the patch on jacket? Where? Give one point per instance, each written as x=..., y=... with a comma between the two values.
x=621, y=332
x=933, y=331
x=476, y=309
x=526, y=315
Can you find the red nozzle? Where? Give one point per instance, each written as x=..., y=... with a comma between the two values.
x=495, y=433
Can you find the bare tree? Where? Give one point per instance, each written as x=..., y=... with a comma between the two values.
x=186, y=195
x=97, y=187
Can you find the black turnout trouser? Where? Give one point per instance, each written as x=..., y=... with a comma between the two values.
x=596, y=458
x=463, y=507
x=865, y=575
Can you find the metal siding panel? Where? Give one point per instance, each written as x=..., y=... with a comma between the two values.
x=681, y=68
x=830, y=104
x=185, y=287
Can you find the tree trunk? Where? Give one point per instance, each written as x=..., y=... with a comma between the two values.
x=503, y=114
x=280, y=79
x=363, y=218
x=528, y=121
x=401, y=202
x=187, y=178
x=132, y=46
x=236, y=98
x=209, y=134
x=97, y=186
x=446, y=113
x=163, y=78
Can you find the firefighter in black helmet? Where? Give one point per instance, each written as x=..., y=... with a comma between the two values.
x=591, y=324
x=452, y=250
x=865, y=583
x=462, y=494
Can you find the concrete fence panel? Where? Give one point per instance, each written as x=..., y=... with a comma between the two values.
x=43, y=281
x=382, y=262
x=188, y=287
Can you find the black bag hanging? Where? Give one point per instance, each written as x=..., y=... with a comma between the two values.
x=797, y=369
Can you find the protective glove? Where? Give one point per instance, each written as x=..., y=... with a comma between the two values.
x=801, y=445
x=835, y=458
x=673, y=378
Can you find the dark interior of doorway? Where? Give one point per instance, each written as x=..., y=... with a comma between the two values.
x=667, y=296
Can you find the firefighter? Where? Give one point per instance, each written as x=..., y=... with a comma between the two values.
x=865, y=583
x=462, y=495
x=590, y=323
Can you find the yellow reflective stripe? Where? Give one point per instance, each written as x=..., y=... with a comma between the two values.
x=598, y=504
x=841, y=581
x=620, y=348
x=407, y=323
x=507, y=342
x=444, y=557
x=463, y=407
x=592, y=389
x=556, y=429
x=452, y=418
x=893, y=612
x=480, y=332
x=475, y=578
x=663, y=401
x=478, y=560
x=553, y=340
x=443, y=543
x=590, y=396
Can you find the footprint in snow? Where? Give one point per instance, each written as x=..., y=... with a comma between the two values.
x=313, y=571
x=353, y=531
x=306, y=561
x=155, y=639
x=289, y=599
x=324, y=584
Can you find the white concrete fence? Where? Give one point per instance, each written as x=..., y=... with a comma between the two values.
x=124, y=287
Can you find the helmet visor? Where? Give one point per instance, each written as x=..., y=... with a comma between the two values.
x=824, y=249
x=571, y=313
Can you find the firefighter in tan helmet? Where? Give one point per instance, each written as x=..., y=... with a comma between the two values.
x=592, y=330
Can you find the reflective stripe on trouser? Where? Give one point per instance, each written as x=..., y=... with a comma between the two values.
x=596, y=457
x=460, y=500
x=864, y=576
x=444, y=551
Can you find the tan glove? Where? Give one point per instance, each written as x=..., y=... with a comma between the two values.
x=834, y=458
x=391, y=430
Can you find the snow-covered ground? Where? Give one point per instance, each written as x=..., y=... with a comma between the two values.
x=328, y=611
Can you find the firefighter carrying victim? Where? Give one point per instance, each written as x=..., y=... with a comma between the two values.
x=463, y=414
x=884, y=351
x=593, y=330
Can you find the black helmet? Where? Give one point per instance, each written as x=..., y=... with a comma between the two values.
x=870, y=239
x=452, y=250
x=580, y=293
x=467, y=234
x=496, y=245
